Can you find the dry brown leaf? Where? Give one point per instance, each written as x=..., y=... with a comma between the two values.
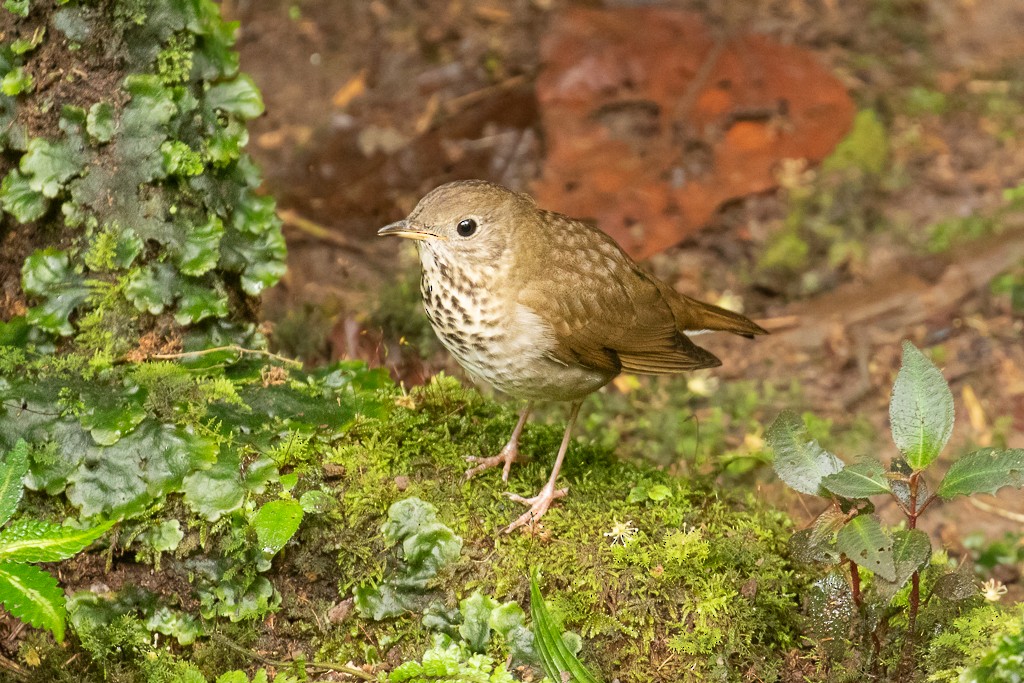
x=651, y=123
x=352, y=89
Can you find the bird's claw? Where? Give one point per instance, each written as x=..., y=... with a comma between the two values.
x=538, y=505
x=506, y=457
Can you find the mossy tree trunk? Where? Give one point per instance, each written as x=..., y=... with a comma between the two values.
x=131, y=220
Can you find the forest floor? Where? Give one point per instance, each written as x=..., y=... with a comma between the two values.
x=370, y=105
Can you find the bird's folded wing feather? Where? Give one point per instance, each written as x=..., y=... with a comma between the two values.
x=606, y=313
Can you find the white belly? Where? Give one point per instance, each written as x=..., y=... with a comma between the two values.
x=511, y=356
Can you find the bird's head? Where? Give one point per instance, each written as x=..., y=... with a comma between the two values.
x=466, y=222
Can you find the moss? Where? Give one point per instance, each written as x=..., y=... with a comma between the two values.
x=966, y=640
x=702, y=587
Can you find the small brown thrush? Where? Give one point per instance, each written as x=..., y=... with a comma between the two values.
x=542, y=306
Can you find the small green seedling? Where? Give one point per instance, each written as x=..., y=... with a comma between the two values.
x=849, y=534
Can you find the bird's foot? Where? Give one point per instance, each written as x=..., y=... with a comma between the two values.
x=538, y=505
x=507, y=456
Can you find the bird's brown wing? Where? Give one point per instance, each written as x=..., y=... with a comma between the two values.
x=606, y=313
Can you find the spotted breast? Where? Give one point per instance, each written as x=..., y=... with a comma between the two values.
x=495, y=338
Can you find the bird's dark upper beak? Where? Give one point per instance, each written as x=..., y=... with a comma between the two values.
x=405, y=228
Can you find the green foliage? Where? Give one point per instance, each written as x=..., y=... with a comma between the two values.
x=558, y=660
x=447, y=661
x=1004, y=662
x=921, y=410
x=166, y=169
x=865, y=148
x=802, y=464
x=16, y=81
x=428, y=546
x=275, y=523
x=848, y=535
x=829, y=211
x=29, y=593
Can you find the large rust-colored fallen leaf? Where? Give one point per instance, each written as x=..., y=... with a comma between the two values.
x=651, y=124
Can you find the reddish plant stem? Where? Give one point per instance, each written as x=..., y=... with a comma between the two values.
x=915, y=578
x=855, y=583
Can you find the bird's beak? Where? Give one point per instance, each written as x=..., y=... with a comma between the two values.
x=404, y=228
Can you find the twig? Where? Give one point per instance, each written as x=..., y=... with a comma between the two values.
x=292, y=219
x=229, y=347
x=456, y=104
x=13, y=667
x=1005, y=514
x=327, y=666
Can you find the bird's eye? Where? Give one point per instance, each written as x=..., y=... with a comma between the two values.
x=466, y=227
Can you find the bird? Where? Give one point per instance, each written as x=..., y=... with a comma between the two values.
x=542, y=306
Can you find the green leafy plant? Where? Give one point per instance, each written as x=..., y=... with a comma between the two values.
x=145, y=199
x=849, y=535
x=27, y=592
x=1003, y=663
x=427, y=547
x=448, y=661
x=560, y=663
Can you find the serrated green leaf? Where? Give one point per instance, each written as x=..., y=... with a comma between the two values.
x=48, y=165
x=100, y=123
x=860, y=480
x=20, y=200
x=556, y=657
x=275, y=523
x=799, y=461
x=921, y=409
x=32, y=595
x=12, y=473
x=32, y=540
x=911, y=550
x=984, y=471
x=865, y=542
x=240, y=97
x=201, y=250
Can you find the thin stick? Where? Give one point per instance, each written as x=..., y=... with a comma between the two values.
x=292, y=219
x=229, y=347
x=328, y=666
x=988, y=507
x=13, y=668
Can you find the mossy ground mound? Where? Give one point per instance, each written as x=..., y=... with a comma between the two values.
x=697, y=584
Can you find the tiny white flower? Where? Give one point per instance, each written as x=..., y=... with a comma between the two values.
x=622, y=532
x=993, y=590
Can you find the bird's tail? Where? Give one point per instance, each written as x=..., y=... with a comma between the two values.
x=695, y=316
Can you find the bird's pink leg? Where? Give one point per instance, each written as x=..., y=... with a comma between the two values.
x=540, y=503
x=507, y=455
